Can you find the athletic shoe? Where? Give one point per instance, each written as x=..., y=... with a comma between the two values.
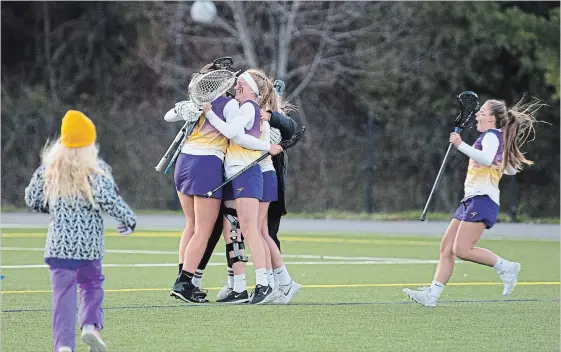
x=260, y=294
x=188, y=292
x=223, y=293
x=92, y=338
x=287, y=292
x=510, y=277
x=422, y=296
x=234, y=297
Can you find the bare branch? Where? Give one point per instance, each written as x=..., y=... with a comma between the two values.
x=243, y=32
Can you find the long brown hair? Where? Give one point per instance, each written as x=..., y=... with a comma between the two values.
x=517, y=124
x=270, y=99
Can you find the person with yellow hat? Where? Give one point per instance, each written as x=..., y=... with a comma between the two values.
x=73, y=185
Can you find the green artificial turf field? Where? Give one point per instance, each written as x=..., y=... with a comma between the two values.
x=351, y=298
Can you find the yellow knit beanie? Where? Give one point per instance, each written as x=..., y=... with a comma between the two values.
x=77, y=130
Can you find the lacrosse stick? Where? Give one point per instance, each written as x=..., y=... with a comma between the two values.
x=203, y=88
x=469, y=102
x=284, y=144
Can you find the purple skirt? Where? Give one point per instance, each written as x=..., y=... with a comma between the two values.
x=270, y=187
x=195, y=175
x=478, y=209
x=247, y=185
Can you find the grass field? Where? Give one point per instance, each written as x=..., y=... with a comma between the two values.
x=351, y=299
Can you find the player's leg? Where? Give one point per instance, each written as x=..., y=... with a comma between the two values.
x=482, y=213
x=469, y=234
x=236, y=291
x=188, y=207
x=248, y=189
x=210, y=246
x=428, y=296
x=273, y=224
x=285, y=287
x=261, y=220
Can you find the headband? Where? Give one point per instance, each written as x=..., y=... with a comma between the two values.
x=250, y=82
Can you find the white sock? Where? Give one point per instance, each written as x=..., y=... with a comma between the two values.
x=271, y=278
x=502, y=264
x=230, y=278
x=283, y=275
x=239, y=283
x=198, y=278
x=436, y=288
x=261, y=277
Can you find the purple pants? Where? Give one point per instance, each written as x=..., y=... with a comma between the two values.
x=66, y=274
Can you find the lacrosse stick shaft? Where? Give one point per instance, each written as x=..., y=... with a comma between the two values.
x=255, y=162
x=436, y=182
x=187, y=133
x=171, y=149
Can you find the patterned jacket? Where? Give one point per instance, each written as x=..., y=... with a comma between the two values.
x=76, y=229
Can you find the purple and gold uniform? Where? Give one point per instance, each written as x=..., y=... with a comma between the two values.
x=481, y=187
x=199, y=166
x=250, y=183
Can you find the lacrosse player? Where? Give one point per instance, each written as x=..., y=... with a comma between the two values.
x=495, y=152
x=283, y=128
x=247, y=189
x=73, y=185
x=287, y=288
x=198, y=169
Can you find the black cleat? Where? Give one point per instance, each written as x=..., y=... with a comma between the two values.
x=261, y=294
x=188, y=292
x=234, y=297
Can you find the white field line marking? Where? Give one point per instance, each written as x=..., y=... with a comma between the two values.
x=295, y=256
x=391, y=262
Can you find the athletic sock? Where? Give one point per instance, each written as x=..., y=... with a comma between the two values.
x=283, y=275
x=238, y=283
x=261, y=277
x=436, y=288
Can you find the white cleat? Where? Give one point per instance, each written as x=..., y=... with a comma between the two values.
x=287, y=292
x=223, y=293
x=421, y=296
x=91, y=337
x=510, y=278
x=275, y=295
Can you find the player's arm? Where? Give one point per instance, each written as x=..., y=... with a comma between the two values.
x=489, y=148
x=233, y=127
x=285, y=124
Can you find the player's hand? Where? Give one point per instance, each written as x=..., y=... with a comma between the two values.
x=124, y=230
x=455, y=139
x=275, y=149
x=265, y=116
x=206, y=108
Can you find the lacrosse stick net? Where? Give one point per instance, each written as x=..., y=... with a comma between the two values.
x=469, y=103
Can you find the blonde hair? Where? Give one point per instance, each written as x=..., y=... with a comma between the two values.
x=270, y=99
x=517, y=124
x=69, y=171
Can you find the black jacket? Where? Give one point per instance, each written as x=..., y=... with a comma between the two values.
x=287, y=127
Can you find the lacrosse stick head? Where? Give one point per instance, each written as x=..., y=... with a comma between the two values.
x=469, y=103
x=206, y=87
x=279, y=86
x=295, y=139
x=223, y=63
